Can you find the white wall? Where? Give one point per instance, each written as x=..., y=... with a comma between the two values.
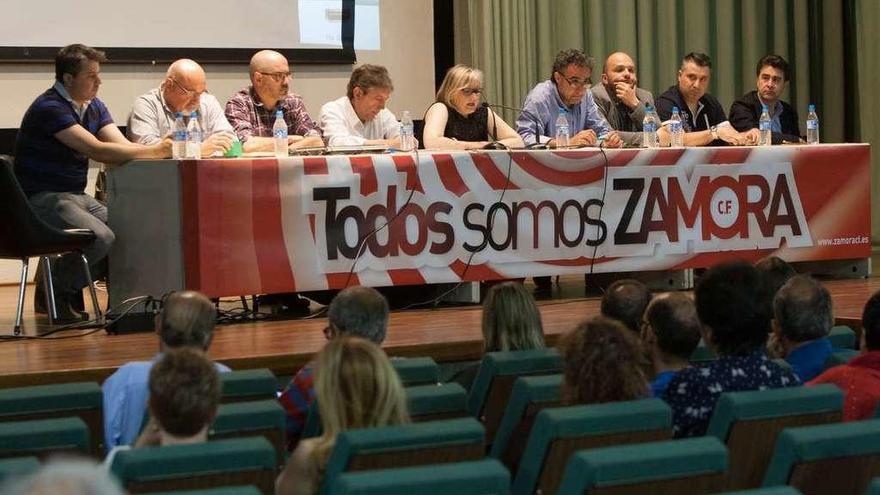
x=407, y=28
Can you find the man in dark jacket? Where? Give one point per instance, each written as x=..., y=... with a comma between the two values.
x=772, y=78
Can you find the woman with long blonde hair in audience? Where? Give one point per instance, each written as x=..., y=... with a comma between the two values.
x=511, y=322
x=356, y=387
x=603, y=361
x=459, y=121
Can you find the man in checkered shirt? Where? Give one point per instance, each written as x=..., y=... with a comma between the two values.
x=251, y=111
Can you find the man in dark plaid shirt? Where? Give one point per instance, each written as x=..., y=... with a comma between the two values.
x=251, y=111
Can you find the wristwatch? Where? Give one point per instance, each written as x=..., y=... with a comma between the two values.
x=714, y=131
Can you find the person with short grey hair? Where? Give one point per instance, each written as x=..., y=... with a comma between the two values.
x=358, y=311
x=187, y=320
x=567, y=92
x=803, y=316
x=65, y=476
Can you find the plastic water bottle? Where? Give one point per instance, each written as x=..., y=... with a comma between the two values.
x=649, y=128
x=563, y=132
x=194, y=137
x=178, y=137
x=764, y=127
x=279, y=133
x=676, y=129
x=812, y=125
x=407, y=136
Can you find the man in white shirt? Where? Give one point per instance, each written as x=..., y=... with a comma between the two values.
x=183, y=90
x=361, y=117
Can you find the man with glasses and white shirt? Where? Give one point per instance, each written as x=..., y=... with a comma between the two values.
x=251, y=111
x=568, y=90
x=184, y=90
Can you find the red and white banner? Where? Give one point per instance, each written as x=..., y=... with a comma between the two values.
x=267, y=225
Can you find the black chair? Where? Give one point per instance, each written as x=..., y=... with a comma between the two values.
x=23, y=235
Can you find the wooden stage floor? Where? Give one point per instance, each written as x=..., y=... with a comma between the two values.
x=446, y=334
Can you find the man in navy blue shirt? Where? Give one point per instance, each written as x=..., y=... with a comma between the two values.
x=702, y=116
x=803, y=316
x=62, y=129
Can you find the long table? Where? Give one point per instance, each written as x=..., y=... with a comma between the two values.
x=253, y=226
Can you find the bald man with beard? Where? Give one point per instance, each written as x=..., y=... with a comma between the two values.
x=183, y=90
x=619, y=99
x=251, y=111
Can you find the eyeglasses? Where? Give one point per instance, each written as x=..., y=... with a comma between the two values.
x=277, y=76
x=471, y=91
x=188, y=92
x=577, y=83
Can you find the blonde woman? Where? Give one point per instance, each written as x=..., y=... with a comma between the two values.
x=511, y=322
x=356, y=387
x=458, y=121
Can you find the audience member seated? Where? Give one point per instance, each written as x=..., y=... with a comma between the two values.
x=771, y=79
x=568, y=92
x=602, y=361
x=184, y=90
x=65, y=476
x=62, y=129
x=511, y=322
x=803, y=316
x=457, y=120
x=356, y=387
x=251, y=111
x=184, y=394
x=731, y=304
x=186, y=320
x=358, y=311
x=671, y=328
x=625, y=301
x=776, y=272
x=860, y=378
x=702, y=116
x=360, y=118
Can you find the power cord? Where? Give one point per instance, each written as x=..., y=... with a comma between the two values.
x=606, y=168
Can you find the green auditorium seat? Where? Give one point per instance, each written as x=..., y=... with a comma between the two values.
x=424, y=403
x=559, y=432
x=702, y=354
x=529, y=396
x=243, y=385
x=749, y=423
x=238, y=461
x=433, y=442
x=228, y=490
x=842, y=337
x=840, y=458
x=840, y=357
x=254, y=418
x=14, y=467
x=44, y=437
x=874, y=487
x=482, y=477
x=416, y=371
x=432, y=402
x=776, y=490
x=498, y=371
x=693, y=466
x=81, y=399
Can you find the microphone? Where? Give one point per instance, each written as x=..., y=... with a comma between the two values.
x=537, y=145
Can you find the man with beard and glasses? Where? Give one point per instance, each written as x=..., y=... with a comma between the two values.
x=619, y=99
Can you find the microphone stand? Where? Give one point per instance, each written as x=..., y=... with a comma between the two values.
x=537, y=145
